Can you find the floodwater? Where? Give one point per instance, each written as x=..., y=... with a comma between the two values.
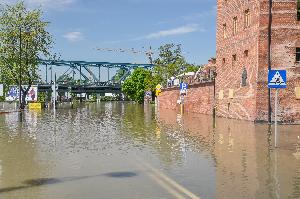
x=125, y=150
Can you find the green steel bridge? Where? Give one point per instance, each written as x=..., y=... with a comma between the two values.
x=92, y=84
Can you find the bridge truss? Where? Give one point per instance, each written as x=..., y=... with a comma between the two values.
x=85, y=84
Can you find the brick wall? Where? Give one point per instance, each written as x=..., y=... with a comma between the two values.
x=199, y=98
x=229, y=74
x=285, y=35
x=251, y=102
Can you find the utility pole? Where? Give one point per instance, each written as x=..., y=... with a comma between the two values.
x=269, y=58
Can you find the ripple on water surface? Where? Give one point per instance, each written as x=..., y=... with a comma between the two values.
x=215, y=159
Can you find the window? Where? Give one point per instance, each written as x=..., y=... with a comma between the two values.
x=234, y=25
x=234, y=57
x=298, y=55
x=224, y=31
x=298, y=10
x=247, y=18
x=224, y=61
x=246, y=52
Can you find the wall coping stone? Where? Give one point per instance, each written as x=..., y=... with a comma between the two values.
x=194, y=85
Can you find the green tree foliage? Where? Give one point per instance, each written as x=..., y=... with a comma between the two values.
x=23, y=39
x=120, y=73
x=171, y=63
x=134, y=87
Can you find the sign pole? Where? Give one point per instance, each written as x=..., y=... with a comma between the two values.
x=54, y=101
x=276, y=119
x=277, y=79
x=181, y=104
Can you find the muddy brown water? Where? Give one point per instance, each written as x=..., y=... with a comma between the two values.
x=125, y=150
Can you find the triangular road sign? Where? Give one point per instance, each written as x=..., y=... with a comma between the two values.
x=277, y=79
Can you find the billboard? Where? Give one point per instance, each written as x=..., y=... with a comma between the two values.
x=13, y=93
x=32, y=94
x=1, y=90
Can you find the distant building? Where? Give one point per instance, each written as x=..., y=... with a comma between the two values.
x=242, y=58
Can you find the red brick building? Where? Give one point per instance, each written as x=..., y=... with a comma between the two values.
x=242, y=58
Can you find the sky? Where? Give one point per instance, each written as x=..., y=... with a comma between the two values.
x=79, y=27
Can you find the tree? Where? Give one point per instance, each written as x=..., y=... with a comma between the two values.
x=120, y=73
x=23, y=39
x=171, y=63
x=137, y=83
x=170, y=54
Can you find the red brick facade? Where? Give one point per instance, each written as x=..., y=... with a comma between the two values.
x=242, y=47
x=199, y=98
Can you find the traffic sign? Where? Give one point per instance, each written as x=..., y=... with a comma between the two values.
x=277, y=79
x=148, y=93
x=158, y=87
x=183, y=86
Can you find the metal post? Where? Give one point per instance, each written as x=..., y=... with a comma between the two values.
x=214, y=102
x=181, y=104
x=99, y=74
x=108, y=74
x=46, y=73
x=51, y=74
x=80, y=75
x=80, y=82
x=276, y=112
x=54, y=101
x=20, y=68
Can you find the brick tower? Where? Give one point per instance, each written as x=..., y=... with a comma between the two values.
x=242, y=58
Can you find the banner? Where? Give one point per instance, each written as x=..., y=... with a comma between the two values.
x=1, y=90
x=13, y=93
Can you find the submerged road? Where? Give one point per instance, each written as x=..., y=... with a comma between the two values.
x=124, y=150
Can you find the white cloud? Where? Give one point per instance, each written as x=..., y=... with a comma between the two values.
x=73, y=36
x=176, y=31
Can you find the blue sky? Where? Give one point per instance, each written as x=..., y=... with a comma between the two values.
x=81, y=26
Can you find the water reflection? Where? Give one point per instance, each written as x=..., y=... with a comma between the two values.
x=213, y=158
x=246, y=163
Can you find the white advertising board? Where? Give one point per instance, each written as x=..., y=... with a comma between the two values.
x=1, y=90
x=13, y=93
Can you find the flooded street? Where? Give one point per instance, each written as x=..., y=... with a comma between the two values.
x=125, y=150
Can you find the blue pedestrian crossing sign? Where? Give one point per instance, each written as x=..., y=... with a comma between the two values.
x=277, y=79
x=183, y=86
